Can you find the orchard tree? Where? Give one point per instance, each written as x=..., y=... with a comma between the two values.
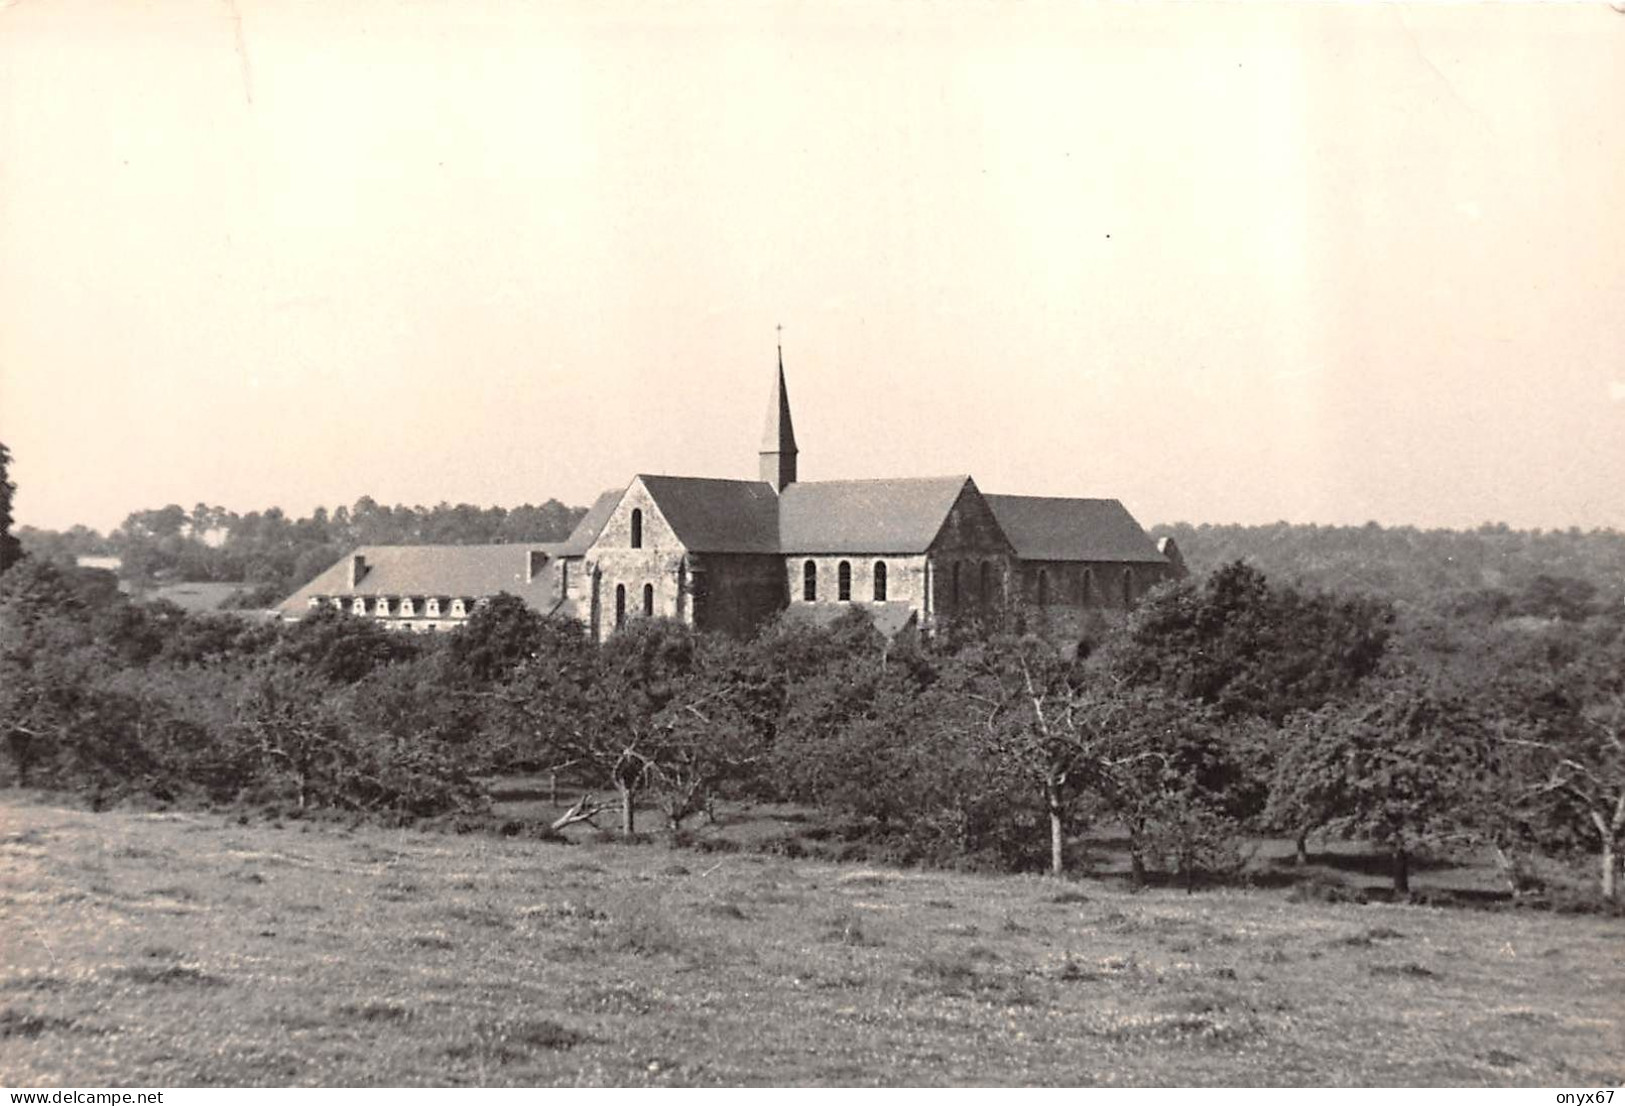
x=712, y=731
x=1575, y=770
x=496, y=639
x=1075, y=734
x=1248, y=648
x=1405, y=766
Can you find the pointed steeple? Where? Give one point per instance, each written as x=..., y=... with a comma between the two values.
x=778, y=452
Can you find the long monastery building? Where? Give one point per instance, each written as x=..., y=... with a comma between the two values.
x=731, y=554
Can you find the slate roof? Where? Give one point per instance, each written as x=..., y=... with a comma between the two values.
x=1043, y=528
x=718, y=516
x=866, y=516
x=890, y=619
x=592, y=523
x=444, y=570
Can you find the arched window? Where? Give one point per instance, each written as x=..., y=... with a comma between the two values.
x=953, y=588
x=620, y=605
x=843, y=582
x=809, y=581
x=984, y=590
x=637, y=528
x=880, y=581
x=648, y=600
x=1043, y=588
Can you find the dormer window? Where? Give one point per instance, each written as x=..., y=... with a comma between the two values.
x=407, y=609
x=458, y=609
x=315, y=601
x=380, y=606
x=359, y=606
x=336, y=603
x=432, y=608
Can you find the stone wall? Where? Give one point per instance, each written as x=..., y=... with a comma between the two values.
x=1099, y=585
x=735, y=592
x=905, y=581
x=970, y=539
x=623, y=571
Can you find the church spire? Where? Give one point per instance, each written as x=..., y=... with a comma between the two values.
x=778, y=452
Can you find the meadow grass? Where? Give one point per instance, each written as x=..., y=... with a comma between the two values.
x=184, y=949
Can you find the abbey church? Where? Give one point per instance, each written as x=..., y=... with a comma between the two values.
x=729, y=555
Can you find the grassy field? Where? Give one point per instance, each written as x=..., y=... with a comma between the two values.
x=187, y=949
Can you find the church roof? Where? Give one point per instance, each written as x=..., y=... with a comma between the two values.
x=718, y=516
x=1044, y=528
x=592, y=523
x=444, y=570
x=866, y=516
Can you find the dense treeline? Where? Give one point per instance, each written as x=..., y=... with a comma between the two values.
x=1558, y=573
x=1224, y=706
x=271, y=554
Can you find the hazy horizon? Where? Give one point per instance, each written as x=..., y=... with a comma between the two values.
x=1227, y=263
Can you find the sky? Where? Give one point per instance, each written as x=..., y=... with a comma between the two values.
x=1224, y=262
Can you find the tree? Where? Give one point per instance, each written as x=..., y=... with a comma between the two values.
x=496, y=639
x=1251, y=649
x=1574, y=768
x=11, y=549
x=1075, y=732
x=712, y=730
x=341, y=647
x=1023, y=705
x=1406, y=765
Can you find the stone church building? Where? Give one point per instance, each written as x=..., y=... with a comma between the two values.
x=730, y=554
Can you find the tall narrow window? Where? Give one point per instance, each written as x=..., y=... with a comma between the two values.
x=648, y=600
x=620, y=605
x=953, y=588
x=809, y=581
x=843, y=582
x=1128, y=586
x=637, y=528
x=880, y=581
x=984, y=592
x=1043, y=588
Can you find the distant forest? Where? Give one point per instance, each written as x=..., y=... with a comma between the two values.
x=271, y=555
x=1553, y=572
x=1563, y=573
